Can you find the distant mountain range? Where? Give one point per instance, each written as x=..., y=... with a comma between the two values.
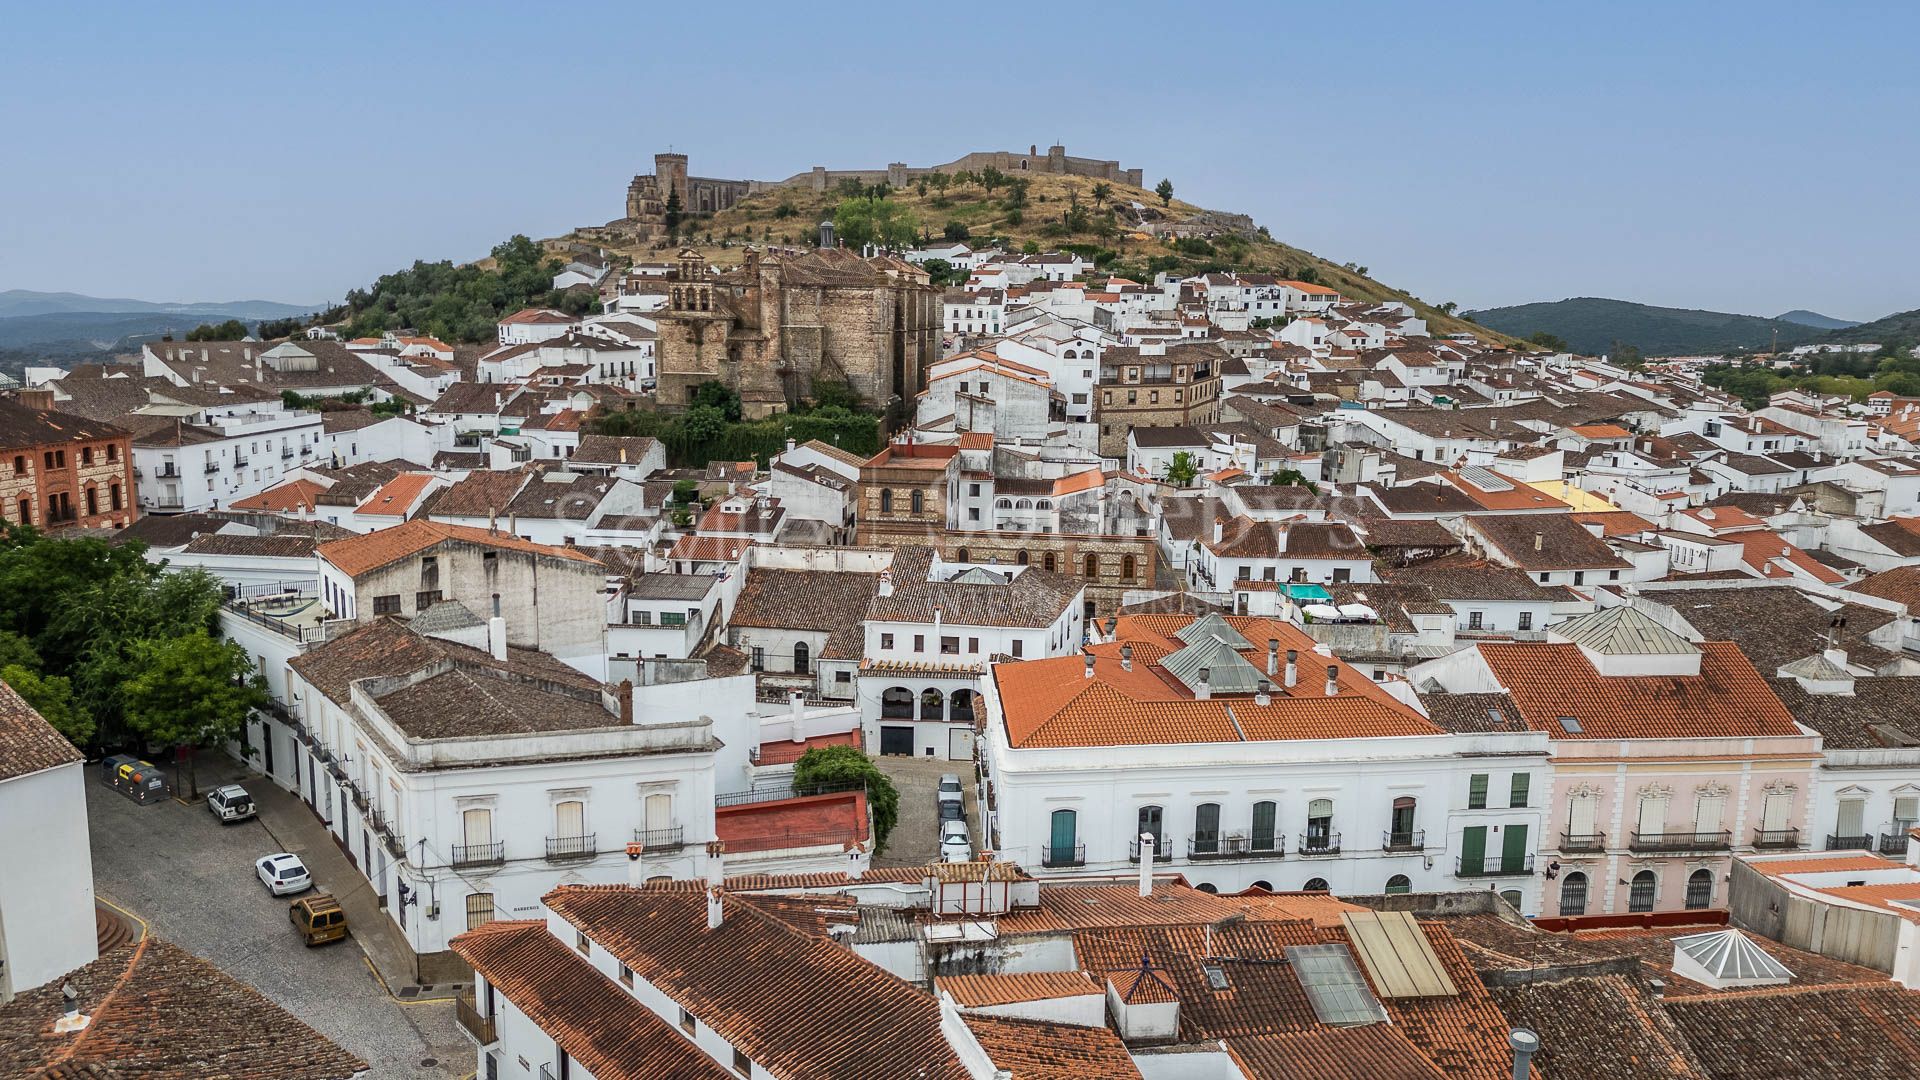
x=1814, y=319
x=61, y=328
x=18, y=302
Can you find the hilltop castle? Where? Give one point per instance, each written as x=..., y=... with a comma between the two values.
x=647, y=194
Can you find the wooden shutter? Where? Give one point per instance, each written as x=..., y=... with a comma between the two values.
x=1708, y=812
x=1851, y=812
x=1580, y=812
x=1774, y=811
x=570, y=818
x=478, y=826
x=659, y=812
x=1653, y=814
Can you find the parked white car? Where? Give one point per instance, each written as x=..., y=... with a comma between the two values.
x=283, y=874
x=230, y=803
x=955, y=845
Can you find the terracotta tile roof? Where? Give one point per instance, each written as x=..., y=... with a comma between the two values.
x=161, y=1013
x=1545, y=542
x=396, y=496
x=1820, y=864
x=600, y=1025
x=28, y=744
x=708, y=548
x=1615, y=522
x=1096, y=906
x=1600, y=1027
x=800, y=1007
x=276, y=546
x=359, y=554
x=289, y=497
x=480, y=493
x=1863, y=1033
x=973, y=991
x=1359, y=1053
x=1035, y=598
x=1050, y=703
x=1038, y=1050
x=1516, y=496
x=1763, y=548
x=786, y=751
x=821, y=601
x=1728, y=699
x=808, y=821
x=386, y=647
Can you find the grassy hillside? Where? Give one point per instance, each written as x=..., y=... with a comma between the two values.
x=793, y=217
x=1803, y=317
x=1903, y=326
x=1591, y=325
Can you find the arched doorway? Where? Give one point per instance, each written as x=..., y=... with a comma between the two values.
x=896, y=703
x=1700, y=889
x=1640, y=895
x=960, y=706
x=1573, y=894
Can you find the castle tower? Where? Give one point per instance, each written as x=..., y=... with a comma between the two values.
x=670, y=173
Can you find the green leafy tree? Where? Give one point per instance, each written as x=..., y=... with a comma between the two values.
x=1102, y=191
x=942, y=273
x=17, y=651
x=991, y=178
x=1293, y=478
x=1549, y=342
x=719, y=395
x=686, y=491
x=231, y=330
x=1017, y=193
x=1182, y=469
x=954, y=231
x=837, y=393
x=704, y=423
x=883, y=222
x=1164, y=189
x=673, y=214
x=1626, y=355
x=192, y=691
x=52, y=697
x=825, y=766
x=1449, y=307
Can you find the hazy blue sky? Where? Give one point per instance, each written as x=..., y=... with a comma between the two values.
x=1750, y=157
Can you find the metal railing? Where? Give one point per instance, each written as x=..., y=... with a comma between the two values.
x=1159, y=847
x=1236, y=846
x=1674, y=842
x=1409, y=840
x=547, y=1073
x=1893, y=843
x=1594, y=841
x=1064, y=855
x=169, y=469
x=1492, y=866
x=239, y=460
x=786, y=791
x=286, y=453
x=1325, y=844
x=1776, y=838
x=672, y=838
x=467, y=1011
x=1849, y=843
x=480, y=854
x=563, y=848
x=210, y=468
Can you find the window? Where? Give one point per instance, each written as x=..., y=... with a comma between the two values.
x=932, y=704
x=113, y=496
x=86, y=455
x=19, y=465
x=1090, y=566
x=949, y=646
x=387, y=605
x=1477, y=792
x=581, y=943
x=896, y=703
x=1700, y=889
x=1342, y=574
x=1640, y=894
x=919, y=643
x=886, y=641
x=961, y=556
x=479, y=910
x=1526, y=620
x=759, y=659
x=626, y=975
x=1401, y=834
x=1573, y=894
x=918, y=501
x=973, y=644
x=802, y=658
x=1475, y=620
x=1019, y=647
x=973, y=491
x=686, y=1020
x=1521, y=782
x=1127, y=565
x=741, y=1064
x=1149, y=822
x=1399, y=883
x=886, y=501
x=1315, y=885
x=1046, y=561
x=1319, y=824
x=1206, y=829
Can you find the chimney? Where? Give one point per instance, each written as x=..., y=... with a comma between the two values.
x=497, y=638
x=1333, y=681
x=1293, y=656
x=1264, y=696
x=826, y=234
x=1126, y=658
x=1089, y=673
x=1201, y=690
x=1219, y=529
x=636, y=870
x=791, y=445
x=625, y=696
x=1524, y=1043
x=716, y=914
x=799, y=707
x=72, y=1020
x=716, y=863
x=886, y=583
x=1273, y=656
x=1146, y=864
x=1539, y=540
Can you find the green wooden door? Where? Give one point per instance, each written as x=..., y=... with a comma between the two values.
x=1513, y=850
x=1473, y=848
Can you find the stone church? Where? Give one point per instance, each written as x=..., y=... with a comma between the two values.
x=786, y=321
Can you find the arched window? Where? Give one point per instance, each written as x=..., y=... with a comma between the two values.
x=1022, y=557
x=886, y=500
x=1640, y=895
x=1700, y=889
x=1206, y=829
x=1063, y=840
x=1513, y=898
x=960, y=706
x=1046, y=561
x=1023, y=504
x=1126, y=567
x=896, y=703
x=961, y=556
x=1090, y=566
x=1264, y=886
x=1264, y=838
x=1043, y=504
x=1573, y=894
x=918, y=500
x=801, y=656
x=1399, y=883
x=1149, y=821
x=932, y=704
x=1003, y=504
x=1318, y=884
x=1206, y=887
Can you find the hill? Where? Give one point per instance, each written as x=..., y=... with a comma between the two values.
x=1902, y=327
x=18, y=302
x=1803, y=317
x=1057, y=212
x=1592, y=324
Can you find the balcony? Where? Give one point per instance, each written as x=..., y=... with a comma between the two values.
x=1893, y=843
x=1679, y=843
x=1413, y=840
x=480, y=1027
x=661, y=840
x=547, y=1073
x=569, y=848
x=1063, y=855
x=1849, y=843
x=1133, y=848
x=493, y=854
x=210, y=468
x=1203, y=846
x=1319, y=844
x=239, y=460
x=286, y=453
x=1492, y=866
x=1776, y=838
x=359, y=797
x=1573, y=842
x=169, y=470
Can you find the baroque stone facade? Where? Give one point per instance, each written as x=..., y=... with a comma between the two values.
x=783, y=321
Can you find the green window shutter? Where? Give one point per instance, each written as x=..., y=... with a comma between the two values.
x=1520, y=781
x=1477, y=792
x=1473, y=848
x=1513, y=849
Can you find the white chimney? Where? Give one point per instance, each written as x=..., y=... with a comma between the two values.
x=1146, y=864
x=497, y=638
x=636, y=869
x=1293, y=656
x=1089, y=673
x=1202, y=691
x=1219, y=529
x=1264, y=696
x=799, y=708
x=1333, y=681
x=715, y=912
x=886, y=583
x=1273, y=656
x=1126, y=658
x=716, y=863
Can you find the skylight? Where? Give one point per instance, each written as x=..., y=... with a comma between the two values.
x=1571, y=724
x=1334, y=987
